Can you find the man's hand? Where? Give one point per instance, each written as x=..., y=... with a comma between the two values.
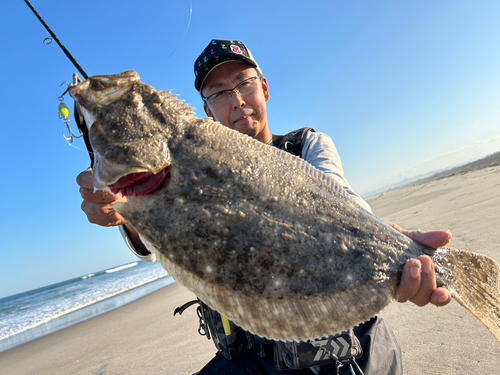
x=418, y=281
x=98, y=206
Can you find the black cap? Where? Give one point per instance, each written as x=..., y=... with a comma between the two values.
x=219, y=52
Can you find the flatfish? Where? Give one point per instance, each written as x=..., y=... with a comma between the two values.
x=256, y=233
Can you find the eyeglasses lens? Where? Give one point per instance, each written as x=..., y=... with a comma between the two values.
x=244, y=88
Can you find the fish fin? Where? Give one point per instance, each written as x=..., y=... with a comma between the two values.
x=289, y=319
x=474, y=282
x=316, y=175
x=167, y=98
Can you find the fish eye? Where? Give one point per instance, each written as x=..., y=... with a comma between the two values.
x=95, y=84
x=134, y=98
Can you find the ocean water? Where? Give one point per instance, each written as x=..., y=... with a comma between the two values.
x=36, y=313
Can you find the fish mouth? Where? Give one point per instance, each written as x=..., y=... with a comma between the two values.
x=142, y=183
x=103, y=90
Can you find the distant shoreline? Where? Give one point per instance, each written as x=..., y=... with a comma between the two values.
x=488, y=161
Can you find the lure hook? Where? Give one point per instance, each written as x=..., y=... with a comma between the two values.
x=63, y=112
x=71, y=135
x=65, y=91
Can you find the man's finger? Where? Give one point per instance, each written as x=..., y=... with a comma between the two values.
x=99, y=196
x=410, y=280
x=427, y=282
x=441, y=297
x=97, y=209
x=102, y=214
x=432, y=239
x=113, y=220
x=85, y=179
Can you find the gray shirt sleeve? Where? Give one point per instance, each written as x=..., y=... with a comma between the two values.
x=150, y=258
x=320, y=151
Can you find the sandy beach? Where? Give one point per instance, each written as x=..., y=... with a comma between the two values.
x=144, y=338
x=447, y=340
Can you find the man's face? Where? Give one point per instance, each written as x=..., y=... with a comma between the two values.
x=247, y=114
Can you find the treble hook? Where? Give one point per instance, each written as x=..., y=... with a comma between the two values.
x=64, y=114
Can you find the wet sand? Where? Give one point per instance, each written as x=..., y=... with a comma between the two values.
x=144, y=338
x=140, y=338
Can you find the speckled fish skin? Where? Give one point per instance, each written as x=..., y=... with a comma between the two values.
x=258, y=234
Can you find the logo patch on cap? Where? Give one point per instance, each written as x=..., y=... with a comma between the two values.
x=236, y=49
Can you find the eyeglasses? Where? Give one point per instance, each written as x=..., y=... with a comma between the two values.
x=223, y=97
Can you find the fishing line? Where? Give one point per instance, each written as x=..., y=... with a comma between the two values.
x=76, y=147
x=182, y=39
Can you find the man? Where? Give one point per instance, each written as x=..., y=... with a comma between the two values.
x=235, y=92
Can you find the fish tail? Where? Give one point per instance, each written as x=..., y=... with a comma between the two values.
x=474, y=281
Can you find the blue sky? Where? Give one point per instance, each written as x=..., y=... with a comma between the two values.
x=402, y=88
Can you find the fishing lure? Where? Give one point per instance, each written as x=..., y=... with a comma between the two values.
x=63, y=111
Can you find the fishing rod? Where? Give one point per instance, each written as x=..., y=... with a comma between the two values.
x=54, y=36
x=63, y=110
